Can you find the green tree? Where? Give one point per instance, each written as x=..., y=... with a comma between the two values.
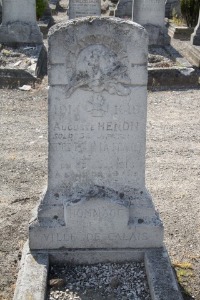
x=190, y=11
x=40, y=7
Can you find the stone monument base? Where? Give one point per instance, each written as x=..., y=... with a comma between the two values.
x=195, y=38
x=20, y=33
x=104, y=221
x=194, y=54
x=157, y=35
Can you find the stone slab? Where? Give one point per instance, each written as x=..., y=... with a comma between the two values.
x=180, y=32
x=92, y=256
x=12, y=78
x=32, y=277
x=161, y=278
x=173, y=77
x=194, y=54
x=84, y=8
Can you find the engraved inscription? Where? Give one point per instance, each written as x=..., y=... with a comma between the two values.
x=95, y=236
x=84, y=8
x=95, y=213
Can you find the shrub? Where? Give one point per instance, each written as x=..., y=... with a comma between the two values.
x=190, y=11
x=40, y=7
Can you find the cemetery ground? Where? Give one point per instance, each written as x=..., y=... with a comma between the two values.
x=172, y=176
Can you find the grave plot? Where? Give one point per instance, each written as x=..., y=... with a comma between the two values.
x=101, y=281
x=22, y=65
x=96, y=208
x=22, y=53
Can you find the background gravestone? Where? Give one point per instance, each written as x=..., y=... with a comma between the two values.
x=19, y=23
x=96, y=196
x=151, y=14
x=172, y=7
x=124, y=8
x=195, y=37
x=84, y=8
x=0, y=11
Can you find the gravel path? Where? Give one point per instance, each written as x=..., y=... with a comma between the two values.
x=172, y=175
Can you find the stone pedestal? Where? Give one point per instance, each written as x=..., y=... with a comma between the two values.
x=19, y=24
x=151, y=14
x=195, y=37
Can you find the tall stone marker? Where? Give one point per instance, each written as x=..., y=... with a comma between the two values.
x=19, y=24
x=84, y=8
x=96, y=196
x=151, y=14
x=124, y=9
x=195, y=37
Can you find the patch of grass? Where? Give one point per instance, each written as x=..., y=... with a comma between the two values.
x=183, y=265
x=184, y=273
x=178, y=21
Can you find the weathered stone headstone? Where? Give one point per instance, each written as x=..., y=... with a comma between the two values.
x=172, y=7
x=0, y=11
x=96, y=196
x=151, y=14
x=84, y=8
x=19, y=23
x=124, y=9
x=195, y=37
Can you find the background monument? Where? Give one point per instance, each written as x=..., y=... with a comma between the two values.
x=84, y=8
x=19, y=25
x=151, y=14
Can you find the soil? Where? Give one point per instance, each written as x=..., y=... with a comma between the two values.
x=172, y=176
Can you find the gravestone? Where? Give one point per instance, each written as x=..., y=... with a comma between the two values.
x=84, y=8
x=19, y=24
x=172, y=7
x=96, y=196
x=0, y=11
x=124, y=9
x=151, y=14
x=195, y=37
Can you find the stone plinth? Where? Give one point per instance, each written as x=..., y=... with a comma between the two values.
x=151, y=14
x=84, y=8
x=195, y=37
x=96, y=196
x=19, y=24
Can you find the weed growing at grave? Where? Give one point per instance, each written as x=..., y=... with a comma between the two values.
x=184, y=273
x=178, y=21
x=40, y=7
x=190, y=11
